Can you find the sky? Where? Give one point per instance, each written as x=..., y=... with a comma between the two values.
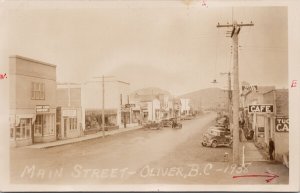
x=173, y=45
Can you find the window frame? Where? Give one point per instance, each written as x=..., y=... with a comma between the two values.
x=38, y=91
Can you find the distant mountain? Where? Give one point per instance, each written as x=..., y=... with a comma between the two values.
x=150, y=91
x=208, y=98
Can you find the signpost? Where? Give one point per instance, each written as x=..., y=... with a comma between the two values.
x=260, y=109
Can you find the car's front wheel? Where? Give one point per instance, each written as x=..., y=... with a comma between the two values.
x=214, y=144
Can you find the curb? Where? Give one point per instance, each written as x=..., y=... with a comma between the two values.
x=72, y=142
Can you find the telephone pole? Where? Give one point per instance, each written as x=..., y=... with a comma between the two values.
x=235, y=30
x=229, y=106
x=103, y=95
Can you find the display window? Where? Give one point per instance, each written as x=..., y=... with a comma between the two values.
x=44, y=125
x=23, y=129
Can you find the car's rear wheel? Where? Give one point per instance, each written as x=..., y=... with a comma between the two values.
x=214, y=144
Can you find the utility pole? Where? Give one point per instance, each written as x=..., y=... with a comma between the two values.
x=234, y=35
x=103, y=95
x=229, y=95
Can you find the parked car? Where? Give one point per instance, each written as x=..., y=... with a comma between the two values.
x=176, y=123
x=166, y=122
x=152, y=125
x=222, y=122
x=215, y=138
x=220, y=128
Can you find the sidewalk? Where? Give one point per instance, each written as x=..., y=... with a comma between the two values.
x=252, y=153
x=82, y=138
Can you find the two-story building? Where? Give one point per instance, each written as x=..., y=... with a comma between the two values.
x=32, y=101
x=277, y=124
x=266, y=113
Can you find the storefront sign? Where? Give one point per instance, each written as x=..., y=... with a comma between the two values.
x=129, y=105
x=260, y=108
x=42, y=109
x=124, y=109
x=282, y=124
x=69, y=113
x=249, y=87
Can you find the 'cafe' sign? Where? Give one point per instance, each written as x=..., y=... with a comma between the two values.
x=260, y=109
x=281, y=124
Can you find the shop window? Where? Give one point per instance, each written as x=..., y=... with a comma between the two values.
x=112, y=120
x=73, y=123
x=38, y=91
x=135, y=117
x=23, y=129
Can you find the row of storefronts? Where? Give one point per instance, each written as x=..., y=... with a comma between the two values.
x=42, y=110
x=266, y=114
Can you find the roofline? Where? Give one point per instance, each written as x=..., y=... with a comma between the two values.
x=68, y=83
x=32, y=60
x=123, y=82
x=269, y=91
x=116, y=81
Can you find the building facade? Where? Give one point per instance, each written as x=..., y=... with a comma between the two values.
x=270, y=119
x=277, y=125
x=185, y=106
x=115, y=96
x=68, y=112
x=32, y=101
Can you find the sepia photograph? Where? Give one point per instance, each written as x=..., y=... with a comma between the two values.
x=148, y=93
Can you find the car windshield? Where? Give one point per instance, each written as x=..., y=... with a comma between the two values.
x=214, y=132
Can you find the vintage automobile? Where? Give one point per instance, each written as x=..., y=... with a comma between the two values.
x=167, y=122
x=222, y=122
x=220, y=128
x=152, y=125
x=176, y=123
x=215, y=138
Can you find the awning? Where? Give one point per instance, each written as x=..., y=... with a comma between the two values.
x=25, y=116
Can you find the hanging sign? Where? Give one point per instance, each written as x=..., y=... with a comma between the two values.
x=260, y=108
